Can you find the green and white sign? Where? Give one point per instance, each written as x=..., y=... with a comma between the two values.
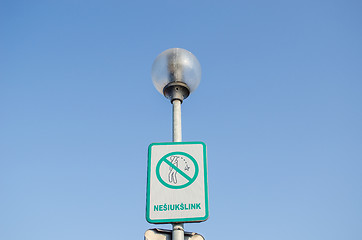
x=177, y=188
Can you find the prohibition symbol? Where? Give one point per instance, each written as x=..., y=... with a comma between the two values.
x=177, y=170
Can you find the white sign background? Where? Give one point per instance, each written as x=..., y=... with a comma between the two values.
x=158, y=194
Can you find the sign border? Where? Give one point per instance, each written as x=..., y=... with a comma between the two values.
x=183, y=220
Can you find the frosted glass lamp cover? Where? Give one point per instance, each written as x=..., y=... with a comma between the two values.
x=176, y=65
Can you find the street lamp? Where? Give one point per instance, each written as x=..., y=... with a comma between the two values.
x=176, y=73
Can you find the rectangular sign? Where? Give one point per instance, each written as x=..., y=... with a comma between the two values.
x=177, y=189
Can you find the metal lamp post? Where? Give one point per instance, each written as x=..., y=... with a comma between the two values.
x=176, y=73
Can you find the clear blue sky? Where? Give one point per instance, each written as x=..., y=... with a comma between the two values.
x=279, y=107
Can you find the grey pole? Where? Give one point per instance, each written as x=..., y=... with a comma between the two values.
x=176, y=121
x=177, y=228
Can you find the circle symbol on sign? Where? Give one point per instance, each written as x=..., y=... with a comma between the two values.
x=177, y=170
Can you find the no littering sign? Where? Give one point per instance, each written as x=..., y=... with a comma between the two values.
x=177, y=188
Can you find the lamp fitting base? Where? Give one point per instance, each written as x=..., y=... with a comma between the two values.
x=176, y=90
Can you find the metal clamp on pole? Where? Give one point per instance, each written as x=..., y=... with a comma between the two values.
x=178, y=231
x=164, y=234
